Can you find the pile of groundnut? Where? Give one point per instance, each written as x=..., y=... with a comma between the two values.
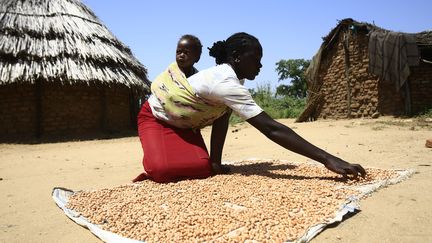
x=258, y=200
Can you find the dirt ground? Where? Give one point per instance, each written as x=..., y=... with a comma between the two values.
x=398, y=213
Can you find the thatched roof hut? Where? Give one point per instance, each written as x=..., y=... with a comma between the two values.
x=62, y=72
x=362, y=70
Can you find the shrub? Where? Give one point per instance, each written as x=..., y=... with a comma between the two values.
x=275, y=106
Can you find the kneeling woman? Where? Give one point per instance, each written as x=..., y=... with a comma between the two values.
x=169, y=122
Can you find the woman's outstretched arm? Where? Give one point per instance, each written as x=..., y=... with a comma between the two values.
x=290, y=140
x=217, y=140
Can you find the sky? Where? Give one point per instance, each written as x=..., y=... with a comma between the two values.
x=286, y=29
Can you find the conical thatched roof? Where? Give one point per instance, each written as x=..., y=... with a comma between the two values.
x=62, y=40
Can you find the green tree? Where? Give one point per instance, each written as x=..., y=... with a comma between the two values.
x=293, y=69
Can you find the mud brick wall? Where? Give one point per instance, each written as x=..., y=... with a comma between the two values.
x=70, y=110
x=368, y=93
x=420, y=82
x=17, y=110
x=83, y=108
x=118, y=113
x=391, y=101
x=363, y=87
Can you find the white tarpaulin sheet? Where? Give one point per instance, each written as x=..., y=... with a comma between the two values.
x=61, y=197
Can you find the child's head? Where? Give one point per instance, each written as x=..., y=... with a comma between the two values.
x=188, y=52
x=242, y=51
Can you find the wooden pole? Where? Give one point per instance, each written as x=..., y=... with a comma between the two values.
x=347, y=65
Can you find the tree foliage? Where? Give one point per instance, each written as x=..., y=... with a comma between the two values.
x=275, y=106
x=293, y=69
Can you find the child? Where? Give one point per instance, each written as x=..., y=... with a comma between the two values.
x=188, y=53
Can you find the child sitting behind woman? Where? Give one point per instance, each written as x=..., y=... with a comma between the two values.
x=188, y=53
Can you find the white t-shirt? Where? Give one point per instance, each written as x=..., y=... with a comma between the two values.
x=218, y=84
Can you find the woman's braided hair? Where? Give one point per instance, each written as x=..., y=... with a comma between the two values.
x=240, y=42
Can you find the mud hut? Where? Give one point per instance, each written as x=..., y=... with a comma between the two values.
x=362, y=70
x=63, y=73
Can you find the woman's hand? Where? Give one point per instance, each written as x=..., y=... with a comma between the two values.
x=344, y=168
x=219, y=168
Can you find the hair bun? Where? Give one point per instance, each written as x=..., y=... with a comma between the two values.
x=218, y=51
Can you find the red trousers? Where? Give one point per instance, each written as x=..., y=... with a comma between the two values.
x=170, y=153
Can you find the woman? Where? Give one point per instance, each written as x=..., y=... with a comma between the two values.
x=169, y=122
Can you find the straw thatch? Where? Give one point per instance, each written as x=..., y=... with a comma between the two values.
x=62, y=72
x=340, y=84
x=62, y=40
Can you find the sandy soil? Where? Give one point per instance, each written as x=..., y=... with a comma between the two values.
x=399, y=213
